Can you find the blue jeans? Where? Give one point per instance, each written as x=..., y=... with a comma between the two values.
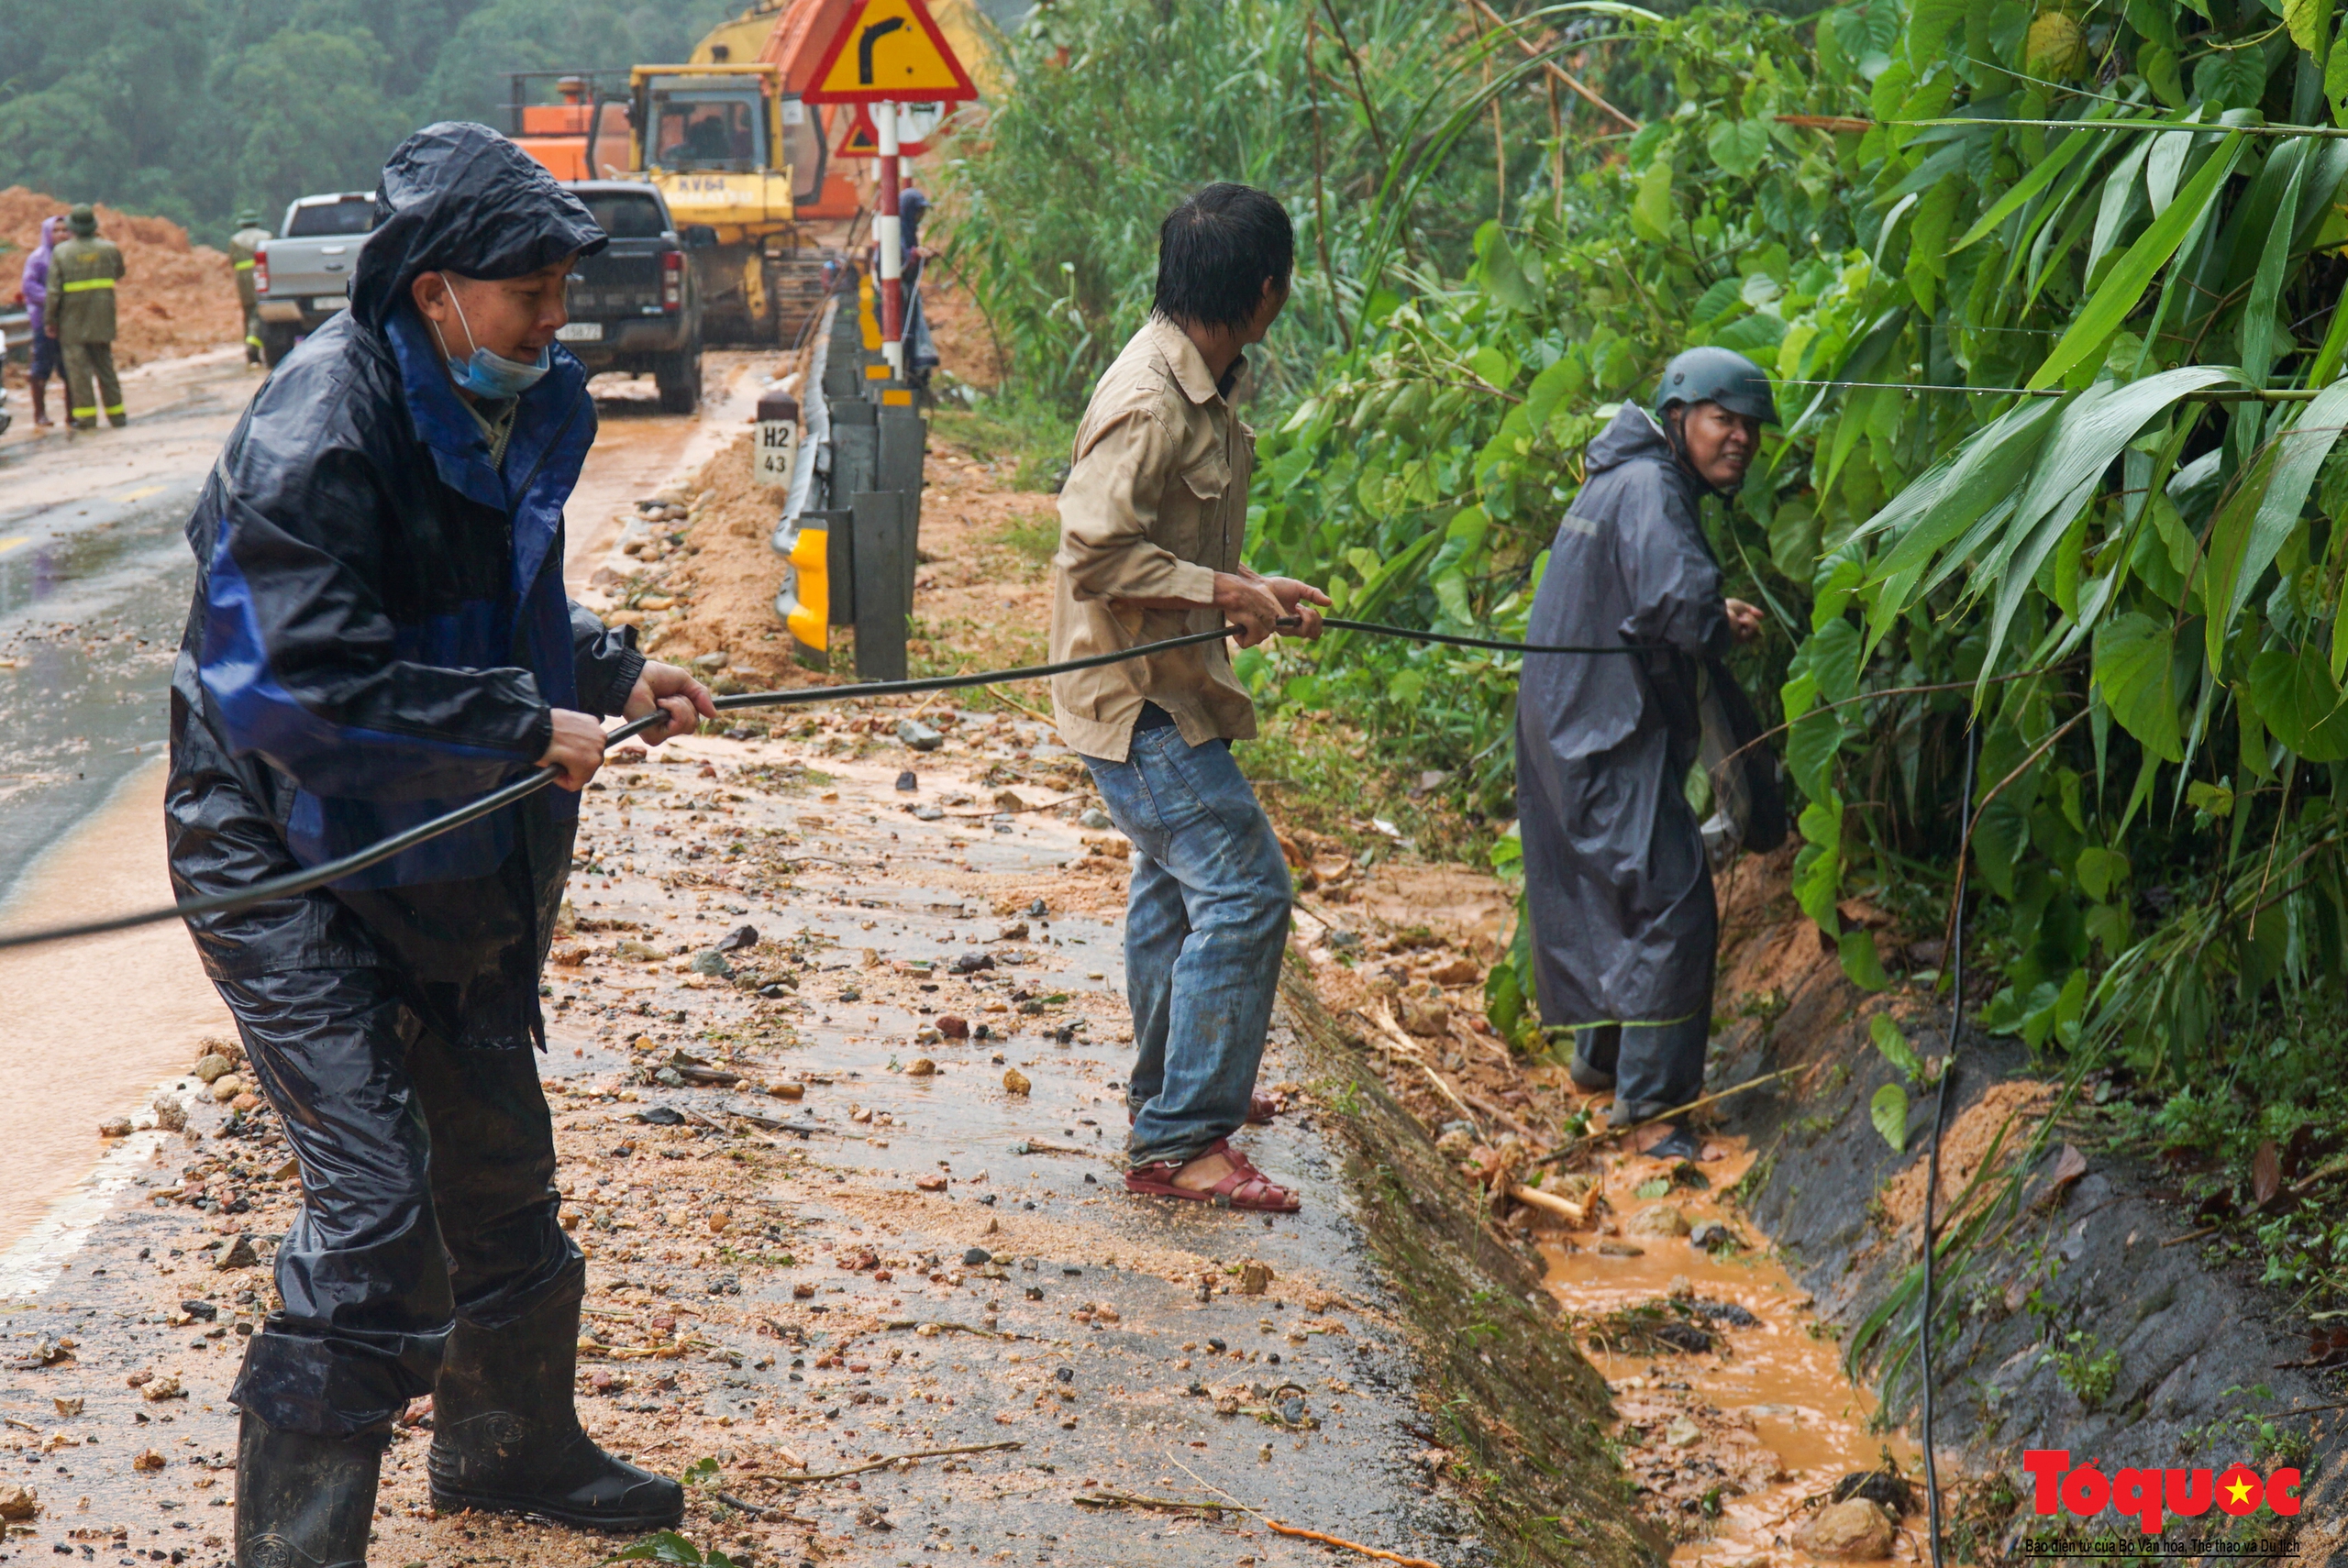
x=1206, y=923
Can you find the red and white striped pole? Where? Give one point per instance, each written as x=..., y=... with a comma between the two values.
x=887, y=228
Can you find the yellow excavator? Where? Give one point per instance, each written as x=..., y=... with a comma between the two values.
x=734, y=151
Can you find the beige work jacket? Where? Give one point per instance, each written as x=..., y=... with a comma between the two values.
x=1155, y=504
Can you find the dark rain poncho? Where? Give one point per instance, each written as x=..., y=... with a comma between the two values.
x=1621, y=895
x=379, y=631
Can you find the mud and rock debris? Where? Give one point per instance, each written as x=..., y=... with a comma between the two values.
x=176, y=298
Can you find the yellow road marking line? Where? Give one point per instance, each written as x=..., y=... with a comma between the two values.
x=141, y=495
x=10, y=543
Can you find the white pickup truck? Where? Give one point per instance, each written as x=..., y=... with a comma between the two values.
x=303, y=277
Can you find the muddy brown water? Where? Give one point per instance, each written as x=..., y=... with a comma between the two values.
x=1777, y=1384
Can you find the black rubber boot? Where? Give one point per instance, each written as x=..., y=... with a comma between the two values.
x=1678, y=1142
x=304, y=1502
x=1596, y=1046
x=506, y=1439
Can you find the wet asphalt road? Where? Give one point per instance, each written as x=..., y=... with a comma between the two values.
x=94, y=582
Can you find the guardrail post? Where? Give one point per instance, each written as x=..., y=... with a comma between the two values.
x=883, y=572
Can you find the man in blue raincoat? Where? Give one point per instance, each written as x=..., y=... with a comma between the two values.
x=378, y=633
x=1616, y=877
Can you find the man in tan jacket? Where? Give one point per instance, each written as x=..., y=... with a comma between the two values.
x=1152, y=519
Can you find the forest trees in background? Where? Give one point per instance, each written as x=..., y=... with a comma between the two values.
x=194, y=109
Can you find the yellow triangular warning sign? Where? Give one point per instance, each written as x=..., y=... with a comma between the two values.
x=889, y=51
x=863, y=141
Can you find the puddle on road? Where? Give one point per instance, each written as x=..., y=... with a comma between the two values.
x=1767, y=1411
x=97, y=1024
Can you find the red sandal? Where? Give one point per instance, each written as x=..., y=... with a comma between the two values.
x=1261, y=1109
x=1243, y=1187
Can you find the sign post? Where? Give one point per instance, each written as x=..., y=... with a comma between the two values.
x=890, y=52
x=888, y=228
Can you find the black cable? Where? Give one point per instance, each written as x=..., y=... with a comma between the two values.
x=1449, y=640
x=375, y=853
x=1932, y=1161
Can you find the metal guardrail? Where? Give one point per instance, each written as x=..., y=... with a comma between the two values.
x=850, y=527
x=17, y=326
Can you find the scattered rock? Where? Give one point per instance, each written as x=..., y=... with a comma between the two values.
x=240, y=1253
x=246, y=1102
x=210, y=1068
x=921, y=1067
x=740, y=937
x=787, y=1091
x=1015, y=1082
x=68, y=1407
x=954, y=1027
x=150, y=1460
x=1254, y=1279
x=1714, y=1237
x=929, y=1184
x=641, y=951
x=1613, y=1249
x=1038, y=908
x=227, y=1086
x=162, y=1389
x=1852, y=1532
x=115, y=1127
x=1458, y=972
x=19, y=1502
x=1682, y=1433
x=171, y=1115
x=927, y=813
x=918, y=736
x=659, y=1115
x=971, y=963
x=1422, y=1017
x=908, y=781
x=711, y=962
x=1659, y=1220
x=1015, y=931
x=1881, y=1487
x=976, y=1257
x=1009, y=801
x=1096, y=819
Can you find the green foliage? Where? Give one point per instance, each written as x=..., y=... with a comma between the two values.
x=2085, y=1368
x=667, y=1546
x=195, y=109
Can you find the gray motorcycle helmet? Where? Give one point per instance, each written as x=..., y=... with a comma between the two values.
x=1717, y=375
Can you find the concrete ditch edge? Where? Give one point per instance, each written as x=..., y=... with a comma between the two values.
x=1507, y=1391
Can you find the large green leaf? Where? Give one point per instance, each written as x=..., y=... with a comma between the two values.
x=2251, y=527
x=2266, y=284
x=1888, y=1111
x=1951, y=497
x=1651, y=210
x=2112, y=303
x=1737, y=145
x=2301, y=706
x=2135, y=669
x=2094, y=427
x=2041, y=175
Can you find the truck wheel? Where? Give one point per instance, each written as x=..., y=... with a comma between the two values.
x=679, y=378
x=277, y=341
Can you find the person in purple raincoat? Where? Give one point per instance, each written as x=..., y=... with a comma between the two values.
x=36, y=291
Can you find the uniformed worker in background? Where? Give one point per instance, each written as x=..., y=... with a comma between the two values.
x=1617, y=881
x=83, y=273
x=244, y=250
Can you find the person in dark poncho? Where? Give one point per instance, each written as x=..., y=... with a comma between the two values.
x=1617, y=880
x=379, y=633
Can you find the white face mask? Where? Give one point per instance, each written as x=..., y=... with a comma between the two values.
x=485, y=375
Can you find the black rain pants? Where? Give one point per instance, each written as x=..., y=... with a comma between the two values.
x=427, y=1194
